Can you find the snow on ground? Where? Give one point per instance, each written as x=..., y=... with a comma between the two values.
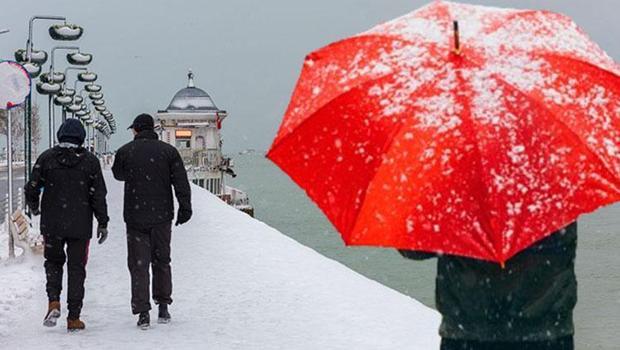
x=238, y=284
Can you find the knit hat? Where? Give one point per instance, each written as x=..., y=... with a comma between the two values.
x=71, y=131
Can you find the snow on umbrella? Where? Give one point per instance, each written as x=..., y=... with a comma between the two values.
x=474, y=141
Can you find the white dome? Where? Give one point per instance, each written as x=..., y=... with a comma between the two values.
x=192, y=99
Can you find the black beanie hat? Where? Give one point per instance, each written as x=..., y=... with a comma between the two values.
x=71, y=131
x=142, y=122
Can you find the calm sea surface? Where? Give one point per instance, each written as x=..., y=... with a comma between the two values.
x=281, y=204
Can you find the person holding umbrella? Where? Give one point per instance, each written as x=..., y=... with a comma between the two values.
x=73, y=190
x=476, y=134
x=150, y=169
x=526, y=305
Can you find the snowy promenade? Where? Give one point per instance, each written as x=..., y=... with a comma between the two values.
x=238, y=284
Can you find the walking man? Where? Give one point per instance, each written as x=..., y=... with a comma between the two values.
x=73, y=190
x=150, y=168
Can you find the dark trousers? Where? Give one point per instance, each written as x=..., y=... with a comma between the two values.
x=149, y=247
x=76, y=257
x=565, y=343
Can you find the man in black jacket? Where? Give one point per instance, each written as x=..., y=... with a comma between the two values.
x=150, y=168
x=527, y=305
x=73, y=190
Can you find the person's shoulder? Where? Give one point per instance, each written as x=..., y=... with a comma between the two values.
x=166, y=146
x=90, y=156
x=46, y=154
x=124, y=147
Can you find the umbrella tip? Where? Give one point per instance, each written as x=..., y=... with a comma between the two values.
x=457, y=38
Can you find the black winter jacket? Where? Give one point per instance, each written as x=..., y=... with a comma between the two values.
x=73, y=190
x=531, y=299
x=150, y=168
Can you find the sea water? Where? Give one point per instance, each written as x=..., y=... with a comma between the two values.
x=280, y=203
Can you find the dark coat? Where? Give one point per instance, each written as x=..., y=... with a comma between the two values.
x=150, y=168
x=73, y=190
x=531, y=299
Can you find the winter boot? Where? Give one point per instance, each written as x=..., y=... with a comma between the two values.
x=144, y=320
x=75, y=325
x=53, y=313
x=164, y=315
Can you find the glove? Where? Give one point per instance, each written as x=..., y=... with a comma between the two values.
x=102, y=234
x=183, y=216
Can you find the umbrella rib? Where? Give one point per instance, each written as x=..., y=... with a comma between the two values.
x=511, y=17
x=318, y=110
x=386, y=147
x=396, y=37
x=582, y=61
x=542, y=105
x=492, y=250
x=354, y=86
x=485, y=242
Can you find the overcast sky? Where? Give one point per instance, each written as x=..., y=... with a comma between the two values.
x=246, y=54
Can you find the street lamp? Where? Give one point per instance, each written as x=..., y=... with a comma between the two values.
x=92, y=87
x=82, y=114
x=67, y=28
x=79, y=58
x=66, y=32
x=63, y=31
x=74, y=107
x=36, y=56
x=68, y=91
x=62, y=100
x=49, y=89
x=52, y=77
x=95, y=96
x=56, y=48
x=87, y=77
x=63, y=97
x=32, y=68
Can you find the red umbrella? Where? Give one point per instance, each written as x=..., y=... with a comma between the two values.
x=477, y=142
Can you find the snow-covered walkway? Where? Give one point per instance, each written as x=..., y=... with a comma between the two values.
x=238, y=284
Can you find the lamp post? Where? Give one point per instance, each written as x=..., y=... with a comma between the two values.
x=32, y=63
x=81, y=79
x=61, y=78
x=33, y=73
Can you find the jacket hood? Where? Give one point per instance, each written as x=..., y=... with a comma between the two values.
x=69, y=156
x=71, y=131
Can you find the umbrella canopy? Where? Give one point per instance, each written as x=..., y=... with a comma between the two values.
x=476, y=139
